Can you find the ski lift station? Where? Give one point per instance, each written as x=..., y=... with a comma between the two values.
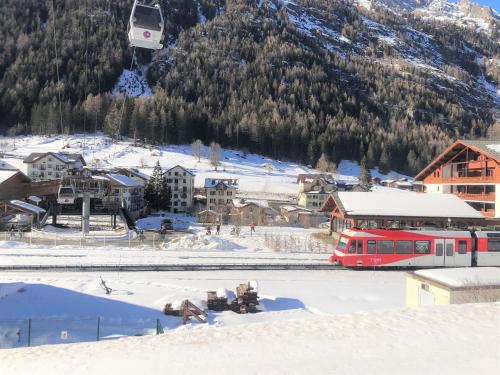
x=146, y=26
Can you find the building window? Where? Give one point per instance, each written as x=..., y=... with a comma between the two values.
x=212, y=193
x=403, y=247
x=183, y=204
x=385, y=247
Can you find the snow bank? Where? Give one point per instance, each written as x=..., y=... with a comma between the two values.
x=410, y=341
x=201, y=241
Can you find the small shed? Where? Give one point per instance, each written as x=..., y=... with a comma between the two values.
x=452, y=286
x=209, y=217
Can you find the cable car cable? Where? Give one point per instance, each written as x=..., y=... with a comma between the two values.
x=57, y=67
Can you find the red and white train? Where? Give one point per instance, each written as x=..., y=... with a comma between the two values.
x=417, y=248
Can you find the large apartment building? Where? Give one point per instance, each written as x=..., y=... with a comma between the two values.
x=471, y=171
x=180, y=181
x=52, y=165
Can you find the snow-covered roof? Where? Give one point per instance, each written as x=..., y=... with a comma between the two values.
x=384, y=203
x=64, y=157
x=246, y=202
x=6, y=174
x=35, y=199
x=124, y=180
x=463, y=277
x=27, y=206
x=289, y=208
x=213, y=182
x=6, y=166
x=181, y=167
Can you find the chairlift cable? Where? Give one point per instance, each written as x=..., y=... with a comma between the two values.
x=123, y=109
x=57, y=66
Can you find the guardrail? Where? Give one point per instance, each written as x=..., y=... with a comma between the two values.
x=176, y=267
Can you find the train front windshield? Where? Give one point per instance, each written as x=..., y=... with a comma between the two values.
x=342, y=243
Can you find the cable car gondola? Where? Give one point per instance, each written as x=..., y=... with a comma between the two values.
x=66, y=194
x=146, y=26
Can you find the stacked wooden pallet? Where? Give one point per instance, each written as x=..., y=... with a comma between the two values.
x=246, y=300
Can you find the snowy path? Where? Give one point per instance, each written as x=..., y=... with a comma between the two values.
x=439, y=340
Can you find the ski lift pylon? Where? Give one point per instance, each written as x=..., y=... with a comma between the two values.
x=146, y=26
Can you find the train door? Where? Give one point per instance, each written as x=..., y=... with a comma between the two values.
x=444, y=252
x=449, y=253
x=439, y=252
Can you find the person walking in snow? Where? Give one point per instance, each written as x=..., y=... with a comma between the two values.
x=218, y=229
x=252, y=228
x=209, y=231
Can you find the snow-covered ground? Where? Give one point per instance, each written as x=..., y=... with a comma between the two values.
x=74, y=300
x=457, y=339
x=267, y=245
x=256, y=174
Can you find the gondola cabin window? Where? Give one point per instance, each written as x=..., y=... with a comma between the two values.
x=385, y=247
x=422, y=247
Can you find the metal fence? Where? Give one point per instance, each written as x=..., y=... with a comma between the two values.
x=147, y=240
x=46, y=331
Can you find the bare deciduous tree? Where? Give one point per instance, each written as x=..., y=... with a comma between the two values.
x=197, y=148
x=215, y=154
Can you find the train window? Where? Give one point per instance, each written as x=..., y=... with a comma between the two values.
x=372, y=248
x=404, y=247
x=494, y=244
x=439, y=249
x=360, y=247
x=385, y=247
x=449, y=249
x=342, y=243
x=462, y=247
x=422, y=247
x=352, y=247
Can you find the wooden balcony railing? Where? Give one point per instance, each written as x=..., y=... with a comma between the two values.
x=485, y=197
x=489, y=213
x=475, y=179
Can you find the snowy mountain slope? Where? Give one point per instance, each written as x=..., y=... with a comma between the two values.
x=256, y=174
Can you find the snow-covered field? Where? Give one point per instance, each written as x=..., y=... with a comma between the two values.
x=256, y=174
x=309, y=326
x=268, y=245
x=72, y=301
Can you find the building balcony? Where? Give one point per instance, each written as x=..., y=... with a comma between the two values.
x=470, y=180
x=482, y=197
x=488, y=213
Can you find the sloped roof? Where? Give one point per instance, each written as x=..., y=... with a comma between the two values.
x=491, y=148
x=247, y=202
x=181, y=167
x=6, y=166
x=123, y=180
x=213, y=182
x=405, y=205
x=26, y=207
x=66, y=158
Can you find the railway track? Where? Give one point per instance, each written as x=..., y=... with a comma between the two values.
x=175, y=267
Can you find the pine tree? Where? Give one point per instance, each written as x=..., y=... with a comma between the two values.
x=156, y=193
x=365, y=177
